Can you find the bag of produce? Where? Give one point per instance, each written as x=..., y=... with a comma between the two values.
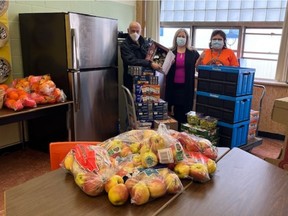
x=151, y=184
x=91, y=167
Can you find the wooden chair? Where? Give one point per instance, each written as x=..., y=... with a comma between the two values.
x=58, y=151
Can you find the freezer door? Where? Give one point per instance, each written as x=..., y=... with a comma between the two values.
x=96, y=113
x=91, y=40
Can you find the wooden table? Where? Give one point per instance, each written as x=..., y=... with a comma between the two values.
x=8, y=116
x=55, y=193
x=243, y=185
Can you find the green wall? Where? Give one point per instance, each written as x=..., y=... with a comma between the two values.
x=124, y=11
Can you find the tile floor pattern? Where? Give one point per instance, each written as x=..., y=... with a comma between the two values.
x=20, y=165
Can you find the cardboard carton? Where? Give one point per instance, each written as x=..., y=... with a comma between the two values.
x=169, y=122
x=159, y=54
x=280, y=111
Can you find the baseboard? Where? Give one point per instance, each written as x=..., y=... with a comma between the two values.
x=271, y=135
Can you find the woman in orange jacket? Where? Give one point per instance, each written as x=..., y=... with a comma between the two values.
x=218, y=53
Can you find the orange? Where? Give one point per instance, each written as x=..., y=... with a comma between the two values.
x=12, y=95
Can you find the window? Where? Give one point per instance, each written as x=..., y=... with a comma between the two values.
x=253, y=28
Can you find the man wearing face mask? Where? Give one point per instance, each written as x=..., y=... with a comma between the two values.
x=179, y=92
x=133, y=53
x=218, y=54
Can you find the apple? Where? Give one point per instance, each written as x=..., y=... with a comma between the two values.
x=174, y=184
x=118, y=194
x=182, y=170
x=136, y=160
x=114, y=147
x=203, y=144
x=80, y=179
x=211, y=152
x=113, y=180
x=144, y=148
x=140, y=193
x=163, y=172
x=188, y=142
x=125, y=151
x=149, y=159
x=68, y=161
x=157, y=142
x=135, y=147
x=157, y=187
x=76, y=168
x=211, y=166
x=199, y=172
x=125, y=168
x=130, y=183
x=148, y=133
x=93, y=185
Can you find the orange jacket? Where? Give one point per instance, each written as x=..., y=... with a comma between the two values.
x=225, y=58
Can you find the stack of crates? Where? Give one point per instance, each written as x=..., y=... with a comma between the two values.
x=226, y=94
x=146, y=93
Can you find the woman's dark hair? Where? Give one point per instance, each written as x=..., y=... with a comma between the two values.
x=222, y=34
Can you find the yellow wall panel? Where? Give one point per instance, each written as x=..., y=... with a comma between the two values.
x=5, y=51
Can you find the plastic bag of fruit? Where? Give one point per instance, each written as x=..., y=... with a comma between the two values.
x=172, y=151
x=198, y=157
x=192, y=143
x=151, y=184
x=91, y=166
x=190, y=168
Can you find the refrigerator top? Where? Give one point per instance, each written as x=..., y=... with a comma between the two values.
x=91, y=41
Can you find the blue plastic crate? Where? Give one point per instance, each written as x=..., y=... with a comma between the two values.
x=233, y=135
x=225, y=108
x=232, y=81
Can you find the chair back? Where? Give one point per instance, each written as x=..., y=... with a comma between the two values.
x=58, y=151
x=130, y=109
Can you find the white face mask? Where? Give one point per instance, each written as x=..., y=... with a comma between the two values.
x=181, y=41
x=216, y=44
x=134, y=36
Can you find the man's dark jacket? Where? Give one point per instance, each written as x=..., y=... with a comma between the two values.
x=134, y=55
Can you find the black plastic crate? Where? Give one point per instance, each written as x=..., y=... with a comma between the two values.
x=233, y=135
x=225, y=108
x=232, y=81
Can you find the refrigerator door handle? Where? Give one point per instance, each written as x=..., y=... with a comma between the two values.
x=75, y=59
x=77, y=89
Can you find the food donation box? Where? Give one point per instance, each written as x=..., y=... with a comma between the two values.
x=280, y=111
x=280, y=115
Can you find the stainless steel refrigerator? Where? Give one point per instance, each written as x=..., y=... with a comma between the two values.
x=79, y=51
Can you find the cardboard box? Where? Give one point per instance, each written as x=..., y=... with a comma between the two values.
x=161, y=55
x=280, y=111
x=169, y=122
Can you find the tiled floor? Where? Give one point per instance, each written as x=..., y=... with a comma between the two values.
x=19, y=165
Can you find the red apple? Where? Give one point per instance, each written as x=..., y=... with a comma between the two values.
x=157, y=142
x=114, y=180
x=118, y=194
x=130, y=183
x=199, y=172
x=174, y=184
x=182, y=170
x=157, y=187
x=140, y=193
